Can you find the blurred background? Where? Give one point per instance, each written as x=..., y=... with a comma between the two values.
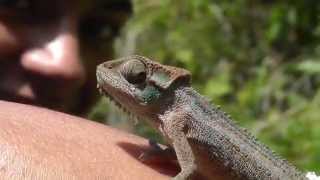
x=259, y=60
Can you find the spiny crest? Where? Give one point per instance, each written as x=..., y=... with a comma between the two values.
x=250, y=139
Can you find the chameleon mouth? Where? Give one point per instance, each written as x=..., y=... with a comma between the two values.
x=108, y=96
x=102, y=92
x=132, y=117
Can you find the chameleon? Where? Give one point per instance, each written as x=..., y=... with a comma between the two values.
x=205, y=139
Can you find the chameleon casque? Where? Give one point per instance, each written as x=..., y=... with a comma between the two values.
x=204, y=138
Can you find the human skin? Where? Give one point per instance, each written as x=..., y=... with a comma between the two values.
x=37, y=143
x=40, y=60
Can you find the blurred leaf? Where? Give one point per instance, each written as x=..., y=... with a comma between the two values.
x=217, y=86
x=309, y=66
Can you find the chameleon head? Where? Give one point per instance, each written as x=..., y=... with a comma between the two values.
x=138, y=84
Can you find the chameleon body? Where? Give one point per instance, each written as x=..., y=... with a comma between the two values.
x=204, y=138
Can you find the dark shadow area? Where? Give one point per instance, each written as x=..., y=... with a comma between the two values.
x=162, y=164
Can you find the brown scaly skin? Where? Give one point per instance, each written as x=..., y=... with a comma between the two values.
x=206, y=141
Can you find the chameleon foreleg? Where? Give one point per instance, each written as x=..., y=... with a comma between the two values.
x=175, y=131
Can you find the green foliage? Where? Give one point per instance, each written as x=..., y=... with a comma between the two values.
x=258, y=59
x=309, y=66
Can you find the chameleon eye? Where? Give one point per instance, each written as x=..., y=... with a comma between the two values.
x=134, y=71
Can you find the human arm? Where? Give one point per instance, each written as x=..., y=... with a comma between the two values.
x=37, y=143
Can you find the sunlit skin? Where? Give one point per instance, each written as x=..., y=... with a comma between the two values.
x=38, y=143
x=40, y=65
